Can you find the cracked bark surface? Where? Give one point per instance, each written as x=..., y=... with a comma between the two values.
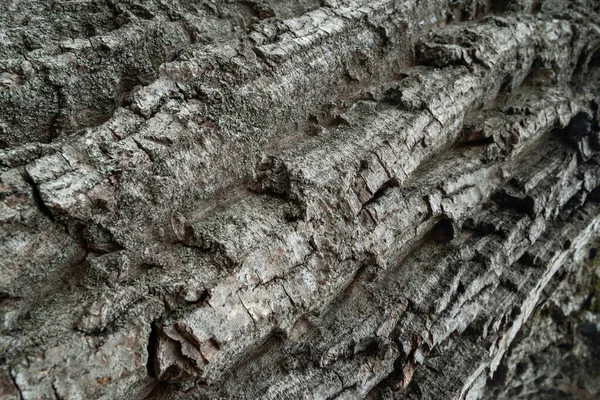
x=333, y=199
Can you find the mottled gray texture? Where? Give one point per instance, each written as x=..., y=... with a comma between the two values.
x=314, y=199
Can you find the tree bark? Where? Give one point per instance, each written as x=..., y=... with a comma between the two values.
x=314, y=199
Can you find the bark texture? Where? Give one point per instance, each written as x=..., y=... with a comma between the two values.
x=319, y=199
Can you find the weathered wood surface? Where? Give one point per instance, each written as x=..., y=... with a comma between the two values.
x=314, y=199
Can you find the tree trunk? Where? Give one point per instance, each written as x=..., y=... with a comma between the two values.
x=313, y=199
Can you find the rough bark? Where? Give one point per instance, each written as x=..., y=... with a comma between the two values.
x=314, y=199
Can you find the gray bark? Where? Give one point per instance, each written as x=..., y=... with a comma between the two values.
x=315, y=199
